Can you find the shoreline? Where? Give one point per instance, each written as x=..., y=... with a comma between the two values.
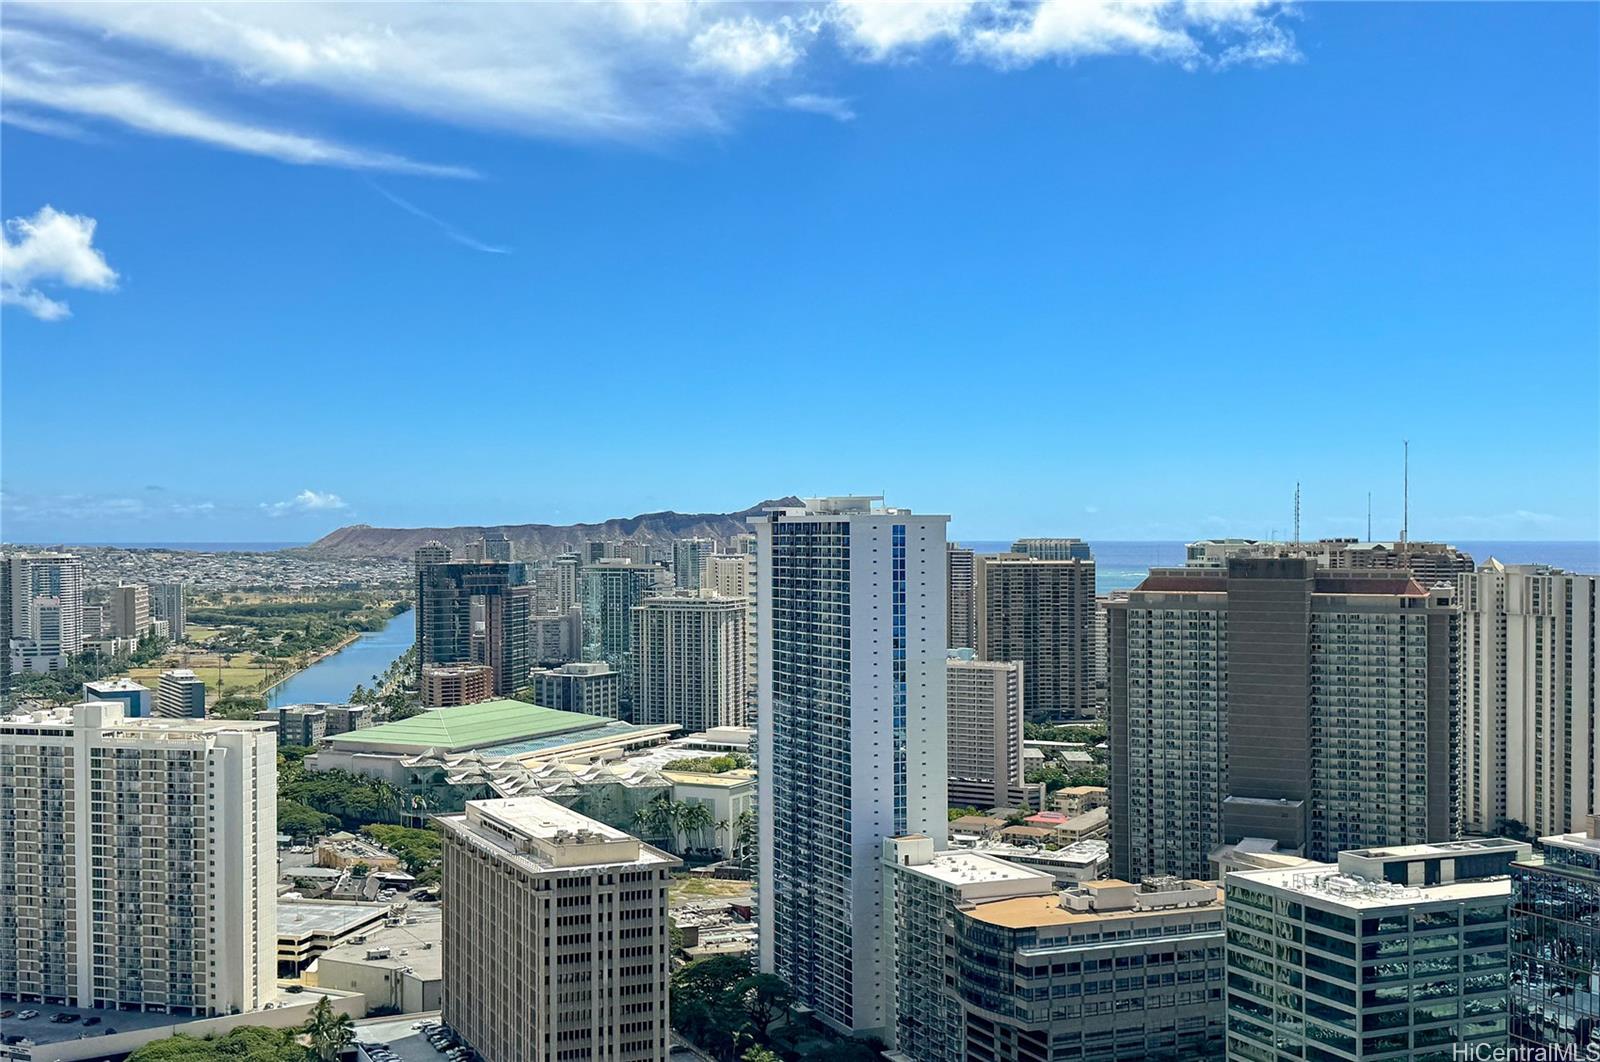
x=350, y=640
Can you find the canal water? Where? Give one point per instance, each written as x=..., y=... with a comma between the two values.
x=330, y=680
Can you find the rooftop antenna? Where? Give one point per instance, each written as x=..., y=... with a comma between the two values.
x=1405, y=496
x=1297, y=513
x=1369, y=516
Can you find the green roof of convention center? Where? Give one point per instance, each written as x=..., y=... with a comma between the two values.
x=470, y=726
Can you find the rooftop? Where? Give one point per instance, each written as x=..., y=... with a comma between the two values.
x=470, y=726
x=299, y=918
x=116, y=685
x=1323, y=881
x=1027, y=912
x=726, y=780
x=541, y=834
x=967, y=868
x=410, y=941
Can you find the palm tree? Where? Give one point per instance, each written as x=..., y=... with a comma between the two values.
x=693, y=820
x=330, y=1031
x=746, y=834
x=654, y=819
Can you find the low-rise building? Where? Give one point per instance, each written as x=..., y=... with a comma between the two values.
x=135, y=699
x=397, y=966
x=449, y=685
x=1070, y=864
x=307, y=929
x=1077, y=799
x=555, y=935
x=727, y=796
x=1397, y=952
x=343, y=851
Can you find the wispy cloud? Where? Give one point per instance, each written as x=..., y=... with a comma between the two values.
x=149, y=111
x=624, y=71
x=443, y=226
x=26, y=508
x=50, y=248
x=307, y=501
x=832, y=106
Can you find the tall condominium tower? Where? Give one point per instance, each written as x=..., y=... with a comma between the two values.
x=46, y=610
x=431, y=552
x=568, y=582
x=688, y=554
x=555, y=935
x=1041, y=612
x=1430, y=562
x=138, y=861
x=496, y=546
x=689, y=661
x=1529, y=712
x=170, y=602
x=129, y=609
x=850, y=737
x=734, y=575
x=985, y=699
x=1053, y=548
x=610, y=590
x=579, y=686
x=1274, y=700
x=454, y=597
x=1392, y=953
x=963, y=603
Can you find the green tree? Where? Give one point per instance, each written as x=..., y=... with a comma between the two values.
x=694, y=819
x=761, y=1054
x=330, y=1031
x=765, y=998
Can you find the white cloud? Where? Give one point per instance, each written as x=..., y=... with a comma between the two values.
x=627, y=70
x=747, y=47
x=879, y=30
x=306, y=501
x=831, y=106
x=55, y=248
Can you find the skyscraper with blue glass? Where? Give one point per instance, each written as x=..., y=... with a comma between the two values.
x=851, y=737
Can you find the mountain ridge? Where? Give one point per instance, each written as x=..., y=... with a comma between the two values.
x=540, y=541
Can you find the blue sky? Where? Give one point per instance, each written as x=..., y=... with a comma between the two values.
x=1113, y=272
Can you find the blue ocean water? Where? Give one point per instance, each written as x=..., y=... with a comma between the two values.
x=1122, y=565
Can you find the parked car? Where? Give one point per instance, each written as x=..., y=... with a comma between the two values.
x=27, y=1015
x=91, y=1020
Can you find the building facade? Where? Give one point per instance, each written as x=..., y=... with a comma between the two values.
x=734, y=575
x=476, y=612
x=688, y=557
x=611, y=588
x=447, y=685
x=128, y=610
x=1555, y=944
x=555, y=935
x=180, y=694
x=1041, y=612
x=1053, y=548
x=590, y=688
x=1530, y=715
x=851, y=737
x=689, y=661
x=170, y=602
x=985, y=726
x=962, y=606
x=923, y=888
x=136, y=700
x=138, y=863
x=1270, y=699
x=1393, y=953
x=1106, y=970
x=45, y=608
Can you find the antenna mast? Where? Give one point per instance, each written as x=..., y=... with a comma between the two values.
x=1405, y=496
x=1369, y=516
x=1297, y=513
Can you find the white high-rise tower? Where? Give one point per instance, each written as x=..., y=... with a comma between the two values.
x=851, y=737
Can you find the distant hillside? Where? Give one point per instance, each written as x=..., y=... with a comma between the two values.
x=537, y=541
